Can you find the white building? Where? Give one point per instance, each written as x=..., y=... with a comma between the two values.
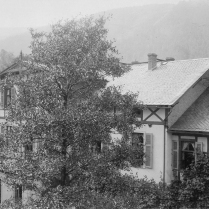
x=176, y=118
x=174, y=123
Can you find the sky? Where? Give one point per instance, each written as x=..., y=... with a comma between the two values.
x=36, y=13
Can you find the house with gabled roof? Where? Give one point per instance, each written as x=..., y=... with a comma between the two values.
x=175, y=121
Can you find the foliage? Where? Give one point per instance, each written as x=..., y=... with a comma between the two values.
x=64, y=109
x=192, y=191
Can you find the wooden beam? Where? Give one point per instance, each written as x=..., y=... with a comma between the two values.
x=152, y=113
x=208, y=145
x=183, y=133
x=153, y=122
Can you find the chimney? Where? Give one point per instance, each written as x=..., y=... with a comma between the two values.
x=152, y=61
x=170, y=59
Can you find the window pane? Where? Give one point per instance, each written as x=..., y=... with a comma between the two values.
x=175, y=159
x=137, y=139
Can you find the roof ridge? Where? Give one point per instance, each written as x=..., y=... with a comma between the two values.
x=205, y=58
x=146, y=63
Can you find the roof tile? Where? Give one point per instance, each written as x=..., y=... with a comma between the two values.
x=196, y=117
x=165, y=84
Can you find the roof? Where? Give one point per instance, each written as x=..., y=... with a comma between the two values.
x=16, y=67
x=196, y=117
x=165, y=84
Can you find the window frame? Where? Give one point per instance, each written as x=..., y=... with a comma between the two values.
x=145, y=147
x=180, y=141
x=18, y=192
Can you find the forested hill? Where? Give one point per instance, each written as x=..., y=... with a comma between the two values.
x=180, y=31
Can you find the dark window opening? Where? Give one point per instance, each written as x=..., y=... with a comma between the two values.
x=187, y=154
x=18, y=192
x=97, y=147
x=137, y=139
x=138, y=145
x=7, y=97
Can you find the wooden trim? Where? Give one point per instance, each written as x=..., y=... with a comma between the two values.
x=179, y=157
x=159, y=106
x=142, y=115
x=186, y=140
x=208, y=145
x=152, y=113
x=153, y=122
x=190, y=133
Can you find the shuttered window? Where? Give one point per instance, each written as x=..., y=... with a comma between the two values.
x=96, y=148
x=175, y=157
x=1, y=134
x=2, y=130
x=28, y=149
x=145, y=140
x=2, y=99
x=198, y=150
x=13, y=95
x=18, y=192
x=148, y=150
x=7, y=97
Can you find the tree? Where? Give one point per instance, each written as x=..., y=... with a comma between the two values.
x=59, y=146
x=192, y=191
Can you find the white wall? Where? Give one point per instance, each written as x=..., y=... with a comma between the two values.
x=156, y=171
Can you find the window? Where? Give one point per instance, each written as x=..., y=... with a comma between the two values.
x=96, y=148
x=1, y=130
x=28, y=147
x=18, y=192
x=7, y=95
x=145, y=140
x=184, y=152
x=2, y=99
x=187, y=154
x=138, y=112
x=8, y=131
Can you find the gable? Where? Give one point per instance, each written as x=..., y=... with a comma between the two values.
x=196, y=117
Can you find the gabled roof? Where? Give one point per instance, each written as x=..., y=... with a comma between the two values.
x=16, y=67
x=165, y=84
x=196, y=117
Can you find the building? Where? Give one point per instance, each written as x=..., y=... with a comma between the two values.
x=6, y=97
x=175, y=121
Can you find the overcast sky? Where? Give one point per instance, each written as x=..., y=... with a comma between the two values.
x=33, y=13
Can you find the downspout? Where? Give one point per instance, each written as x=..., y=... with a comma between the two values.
x=167, y=113
x=164, y=140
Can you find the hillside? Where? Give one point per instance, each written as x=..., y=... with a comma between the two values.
x=180, y=31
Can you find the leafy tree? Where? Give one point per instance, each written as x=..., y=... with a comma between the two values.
x=59, y=147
